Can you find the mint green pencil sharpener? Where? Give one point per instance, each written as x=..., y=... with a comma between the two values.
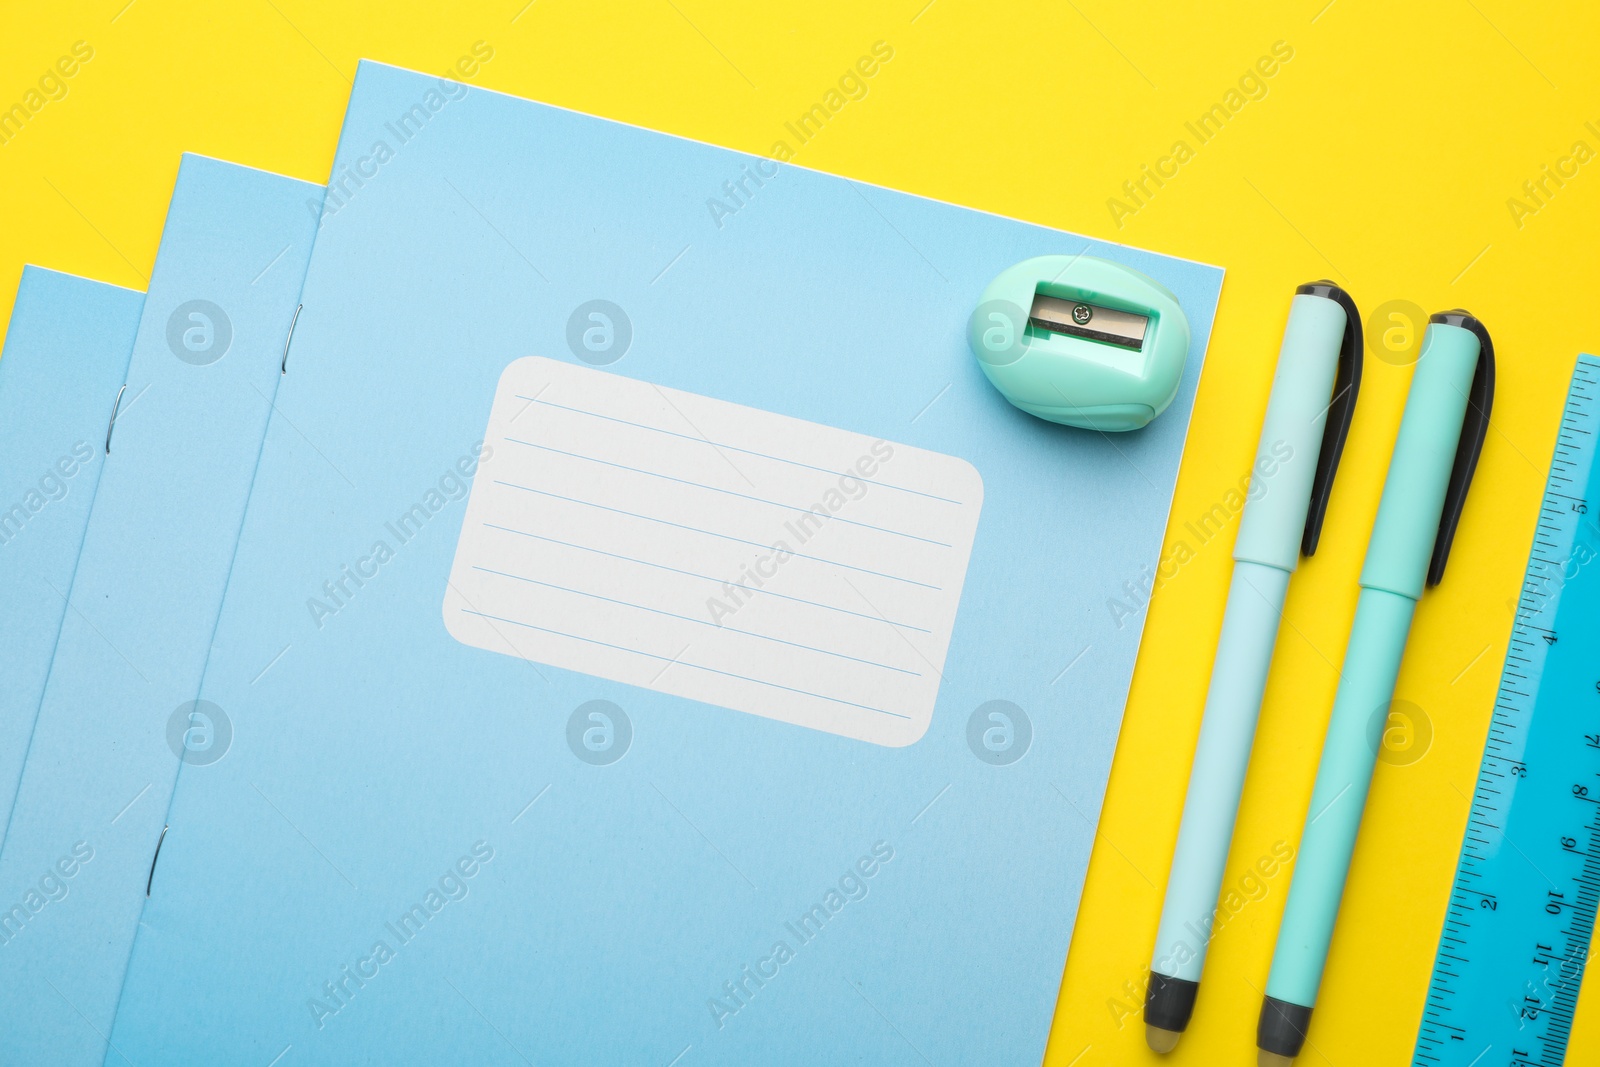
x=1081, y=341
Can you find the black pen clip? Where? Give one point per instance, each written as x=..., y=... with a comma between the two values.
x=1474, y=428
x=1341, y=409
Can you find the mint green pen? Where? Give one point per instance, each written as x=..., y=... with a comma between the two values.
x=1441, y=436
x=1308, y=416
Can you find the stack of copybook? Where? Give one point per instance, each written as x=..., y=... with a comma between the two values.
x=502, y=615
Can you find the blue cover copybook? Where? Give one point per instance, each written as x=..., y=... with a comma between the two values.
x=651, y=639
x=66, y=353
x=118, y=710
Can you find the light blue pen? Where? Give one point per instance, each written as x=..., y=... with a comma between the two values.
x=1441, y=435
x=1308, y=416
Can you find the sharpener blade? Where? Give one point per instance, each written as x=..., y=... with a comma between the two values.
x=1089, y=321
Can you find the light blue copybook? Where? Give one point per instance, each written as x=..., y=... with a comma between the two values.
x=66, y=353
x=117, y=709
x=651, y=638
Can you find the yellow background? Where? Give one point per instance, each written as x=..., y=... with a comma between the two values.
x=1382, y=155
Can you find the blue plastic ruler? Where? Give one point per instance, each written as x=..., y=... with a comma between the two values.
x=1522, y=906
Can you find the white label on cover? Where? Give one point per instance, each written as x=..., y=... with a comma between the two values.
x=714, y=551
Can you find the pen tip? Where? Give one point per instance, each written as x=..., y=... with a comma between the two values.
x=1160, y=1040
x=1272, y=1059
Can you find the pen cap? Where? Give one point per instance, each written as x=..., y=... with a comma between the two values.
x=1441, y=434
x=1308, y=414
